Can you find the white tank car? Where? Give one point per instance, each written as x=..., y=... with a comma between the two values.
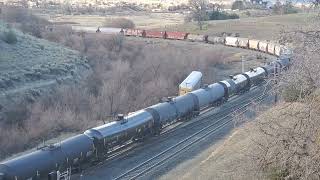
x=185, y=105
x=269, y=68
x=231, y=87
x=242, y=83
x=273, y=67
x=215, y=40
x=231, y=41
x=285, y=52
x=196, y=37
x=191, y=83
x=209, y=95
x=84, y=29
x=284, y=60
x=108, y=30
x=256, y=75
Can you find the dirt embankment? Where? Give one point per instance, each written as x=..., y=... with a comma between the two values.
x=227, y=160
x=31, y=67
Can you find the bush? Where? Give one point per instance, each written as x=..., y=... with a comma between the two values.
x=119, y=23
x=25, y=20
x=294, y=92
x=217, y=15
x=286, y=8
x=10, y=37
x=32, y=28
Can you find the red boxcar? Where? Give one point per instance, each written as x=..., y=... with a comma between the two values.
x=153, y=34
x=133, y=32
x=176, y=35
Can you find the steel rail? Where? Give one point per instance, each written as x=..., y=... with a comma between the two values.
x=148, y=162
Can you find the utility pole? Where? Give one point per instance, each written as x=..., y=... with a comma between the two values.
x=242, y=64
x=276, y=82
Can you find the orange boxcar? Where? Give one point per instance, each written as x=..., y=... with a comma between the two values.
x=153, y=34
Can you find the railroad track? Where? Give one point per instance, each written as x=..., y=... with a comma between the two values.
x=186, y=143
x=205, y=119
x=206, y=113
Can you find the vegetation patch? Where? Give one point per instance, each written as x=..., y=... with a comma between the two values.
x=119, y=23
x=9, y=37
x=219, y=15
x=284, y=8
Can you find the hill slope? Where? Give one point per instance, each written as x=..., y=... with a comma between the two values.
x=30, y=66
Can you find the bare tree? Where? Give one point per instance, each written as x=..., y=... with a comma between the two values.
x=286, y=144
x=199, y=11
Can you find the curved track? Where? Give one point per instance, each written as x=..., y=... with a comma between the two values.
x=183, y=145
x=209, y=127
x=207, y=124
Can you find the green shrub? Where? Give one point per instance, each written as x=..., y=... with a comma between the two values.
x=217, y=15
x=294, y=92
x=10, y=37
x=25, y=20
x=119, y=23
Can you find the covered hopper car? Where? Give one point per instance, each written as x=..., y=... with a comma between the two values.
x=191, y=83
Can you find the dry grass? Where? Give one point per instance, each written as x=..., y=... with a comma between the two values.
x=141, y=20
x=229, y=160
x=260, y=27
x=254, y=27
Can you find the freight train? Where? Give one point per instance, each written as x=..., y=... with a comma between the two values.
x=59, y=160
x=265, y=46
x=253, y=44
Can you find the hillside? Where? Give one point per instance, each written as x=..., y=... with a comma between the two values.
x=268, y=28
x=282, y=142
x=30, y=66
x=242, y=154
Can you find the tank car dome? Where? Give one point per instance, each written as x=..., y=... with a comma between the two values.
x=92, y=133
